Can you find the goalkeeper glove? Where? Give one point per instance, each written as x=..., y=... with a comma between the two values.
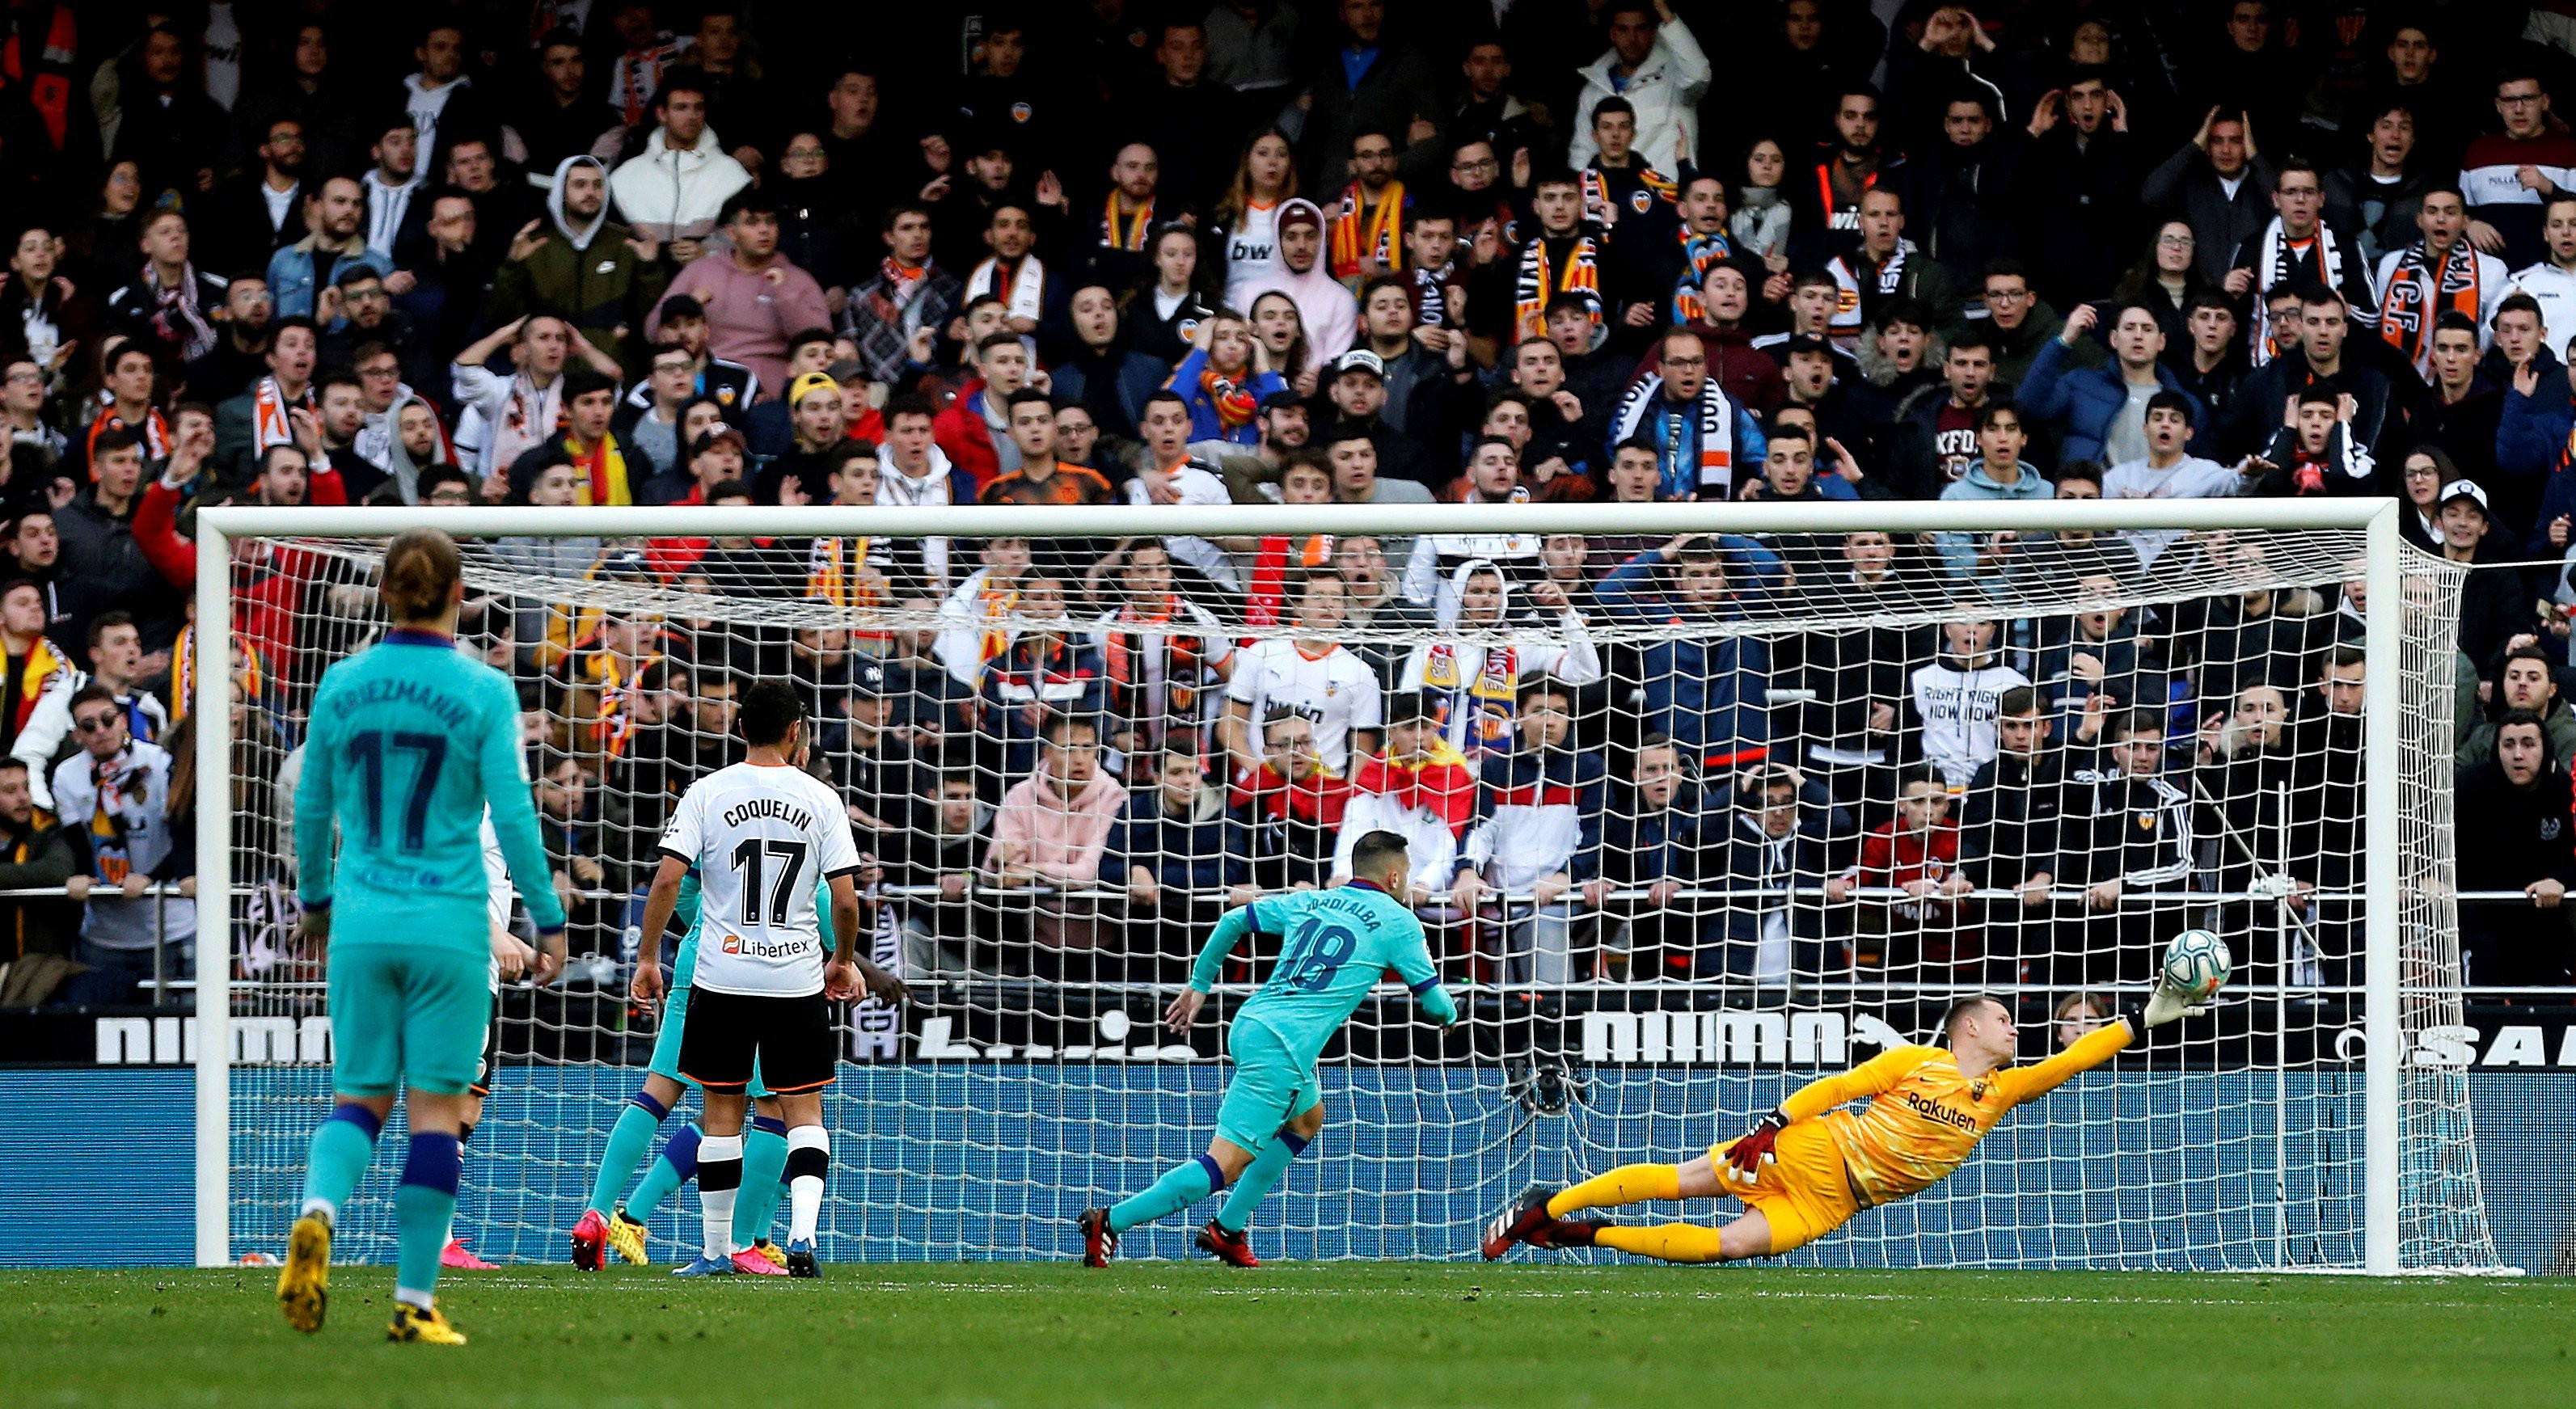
x=2162, y=1006
x=1745, y=1158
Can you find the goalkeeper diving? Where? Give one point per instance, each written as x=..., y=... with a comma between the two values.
x=1809, y=1166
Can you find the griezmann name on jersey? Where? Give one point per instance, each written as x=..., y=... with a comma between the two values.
x=410, y=741
x=761, y=836
x=1333, y=944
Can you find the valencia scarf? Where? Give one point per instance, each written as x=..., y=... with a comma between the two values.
x=270, y=421
x=1154, y=674
x=1487, y=696
x=1361, y=231
x=1230, y=398
x=602, y=467
x=156, y=430
x=1537, y=283
x=2419, y=294
x=1698, y=253
x=2282, y=261
x=1113, y=235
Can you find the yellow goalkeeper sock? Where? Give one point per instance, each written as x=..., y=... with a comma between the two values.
x=1673, y=1242
x=1628, y=1184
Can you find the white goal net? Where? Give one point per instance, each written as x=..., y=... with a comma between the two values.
x=1693, y=821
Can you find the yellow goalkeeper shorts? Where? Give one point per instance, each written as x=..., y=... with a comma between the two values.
x=1804, y=1193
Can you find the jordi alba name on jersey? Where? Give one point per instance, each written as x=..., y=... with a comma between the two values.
x=761, y=836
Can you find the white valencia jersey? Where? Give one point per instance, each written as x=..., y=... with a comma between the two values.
x=1336, y=690
x=760, y=836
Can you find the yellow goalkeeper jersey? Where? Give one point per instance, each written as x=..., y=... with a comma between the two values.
x=1925, y=1117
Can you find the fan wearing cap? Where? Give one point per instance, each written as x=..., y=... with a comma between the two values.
x=2494, y=610
x=598, y=461
x=1358, y=391
x=1331, y=315
x=770, y=428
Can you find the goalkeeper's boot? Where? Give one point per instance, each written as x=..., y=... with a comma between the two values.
x=800, y=1259
x=1099, y=1241
x=627, y=1237
x=456, y=1255
x=1227, y=1245
x=589, y=1236
x=1571, y=1233
x=422, y=1325
x=750, y=1263
x=304, y=1284
x=705, y=1267
x=1523, y=1220
x=772, y=1252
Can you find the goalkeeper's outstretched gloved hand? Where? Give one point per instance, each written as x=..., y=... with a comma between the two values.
x=2163, y=1006
x=1745, y=1158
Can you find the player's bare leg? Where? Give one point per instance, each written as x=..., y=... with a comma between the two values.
x=1223, y=1237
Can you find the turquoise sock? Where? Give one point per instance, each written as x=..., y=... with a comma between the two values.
x=424, y=1207
x=678, y=1162
x=627, y=1142
x=1181, y=1186
x=1257, y=1178
x=338, y=1156
x=764, y=1159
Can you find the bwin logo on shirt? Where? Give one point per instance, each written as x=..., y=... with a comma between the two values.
x=1241, y=250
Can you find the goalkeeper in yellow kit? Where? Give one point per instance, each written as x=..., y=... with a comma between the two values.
x=1809, y=1166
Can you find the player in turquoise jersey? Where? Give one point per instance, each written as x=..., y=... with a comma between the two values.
x=1333, y=944
x=408, y=742
x=608, y=1224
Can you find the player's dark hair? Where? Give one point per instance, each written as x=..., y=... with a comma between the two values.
x=1372, y=852
x=422, y=568
x=1950, y=1018
x=767, y=711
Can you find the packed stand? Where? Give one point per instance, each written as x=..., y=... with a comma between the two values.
x=570, y=255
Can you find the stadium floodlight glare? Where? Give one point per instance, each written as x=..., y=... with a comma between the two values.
x=2294, y=1129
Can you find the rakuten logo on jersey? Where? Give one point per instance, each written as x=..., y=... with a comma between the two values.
x=763, y=949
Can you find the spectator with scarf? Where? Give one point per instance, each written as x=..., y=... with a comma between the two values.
x=501, y=417
x=248, y=424
x=898, y=314
x=1291, y=806
x=2438, y=274
x=1166, y=658
x=1223, y=381
x=1562, y=259
x=1367, y=228
x=2295, y=248
x=1011, y=273
x=1884, y=266
x=170, y=304
x=1536, y=838
x=1700, y=434
x=599, y=462
x=1471, y=674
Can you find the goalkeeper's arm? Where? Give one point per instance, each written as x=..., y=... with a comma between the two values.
x=1749, y=1153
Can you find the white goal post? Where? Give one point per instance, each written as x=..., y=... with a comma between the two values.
x=2401, y=767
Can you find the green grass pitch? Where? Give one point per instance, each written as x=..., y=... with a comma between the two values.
x=1303, y=1337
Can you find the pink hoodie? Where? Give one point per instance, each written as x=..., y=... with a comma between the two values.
x=1062, y=842
x=750, y=319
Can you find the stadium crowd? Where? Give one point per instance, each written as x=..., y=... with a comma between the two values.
x=576, y=253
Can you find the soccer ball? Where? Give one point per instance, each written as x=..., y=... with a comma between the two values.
x=2196, y=965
